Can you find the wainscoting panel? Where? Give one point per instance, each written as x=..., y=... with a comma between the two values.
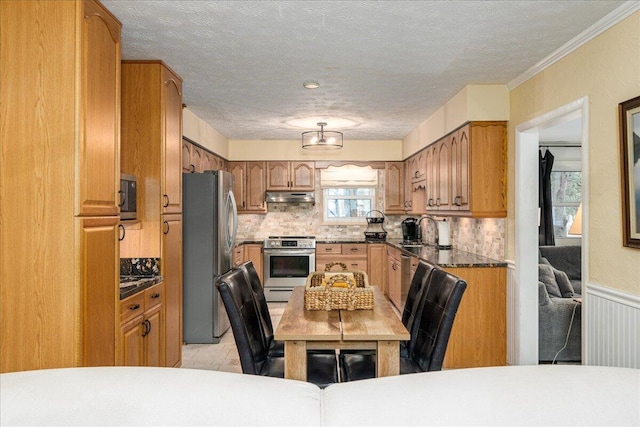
x=612, y=327
x=512, y=321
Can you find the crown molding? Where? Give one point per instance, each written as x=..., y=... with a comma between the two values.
x=593, y=31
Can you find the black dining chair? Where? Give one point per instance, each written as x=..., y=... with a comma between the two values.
x=418, y=283
x=430, y=332
x=239, y=302
x=276, y=348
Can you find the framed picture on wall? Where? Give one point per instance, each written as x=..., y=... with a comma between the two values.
x=630, y=159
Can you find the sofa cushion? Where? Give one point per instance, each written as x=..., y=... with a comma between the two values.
x=546, y=276
x=565, y=258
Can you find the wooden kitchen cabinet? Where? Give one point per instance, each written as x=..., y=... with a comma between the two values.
x=199, y=159
x=142, y=328
x=479, y=334
x=394, y=277
x=469, y=169
x=253, y=252
x=290, y=176
x=353, y=255
x=394, y=188
x=61, y=114
x=249, y=186
x=376, y=256
x=171, y=270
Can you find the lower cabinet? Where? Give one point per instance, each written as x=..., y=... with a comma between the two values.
x=142, y=326
x=353, y=255
x=479, y=334
x=250, y=252
x=394, y=277
x=171, y=267
x=376, y=255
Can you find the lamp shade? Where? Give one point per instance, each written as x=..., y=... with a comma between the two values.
x=576, y=227
x=321, y=139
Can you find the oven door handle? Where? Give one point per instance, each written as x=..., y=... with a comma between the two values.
x=289, y=252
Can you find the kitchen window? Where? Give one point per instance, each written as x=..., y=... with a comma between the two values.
x=346, y=205
x=348, y=194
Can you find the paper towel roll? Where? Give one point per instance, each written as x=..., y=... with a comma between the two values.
x=444, y=233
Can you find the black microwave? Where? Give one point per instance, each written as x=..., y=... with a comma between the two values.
x=128, y=186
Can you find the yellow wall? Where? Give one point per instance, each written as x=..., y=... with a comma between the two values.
x=607, y=70
x=473, y=102
x=198, y=131
x=292, y=150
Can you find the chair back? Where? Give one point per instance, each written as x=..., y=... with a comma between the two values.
x=418, y=281
x=252, y=276
x=434, y=320
x=238, y=300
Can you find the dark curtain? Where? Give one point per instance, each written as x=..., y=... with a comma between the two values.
x=545, y=231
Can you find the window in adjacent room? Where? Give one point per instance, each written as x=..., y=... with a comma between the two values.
x=349, y=193
x=566, y=190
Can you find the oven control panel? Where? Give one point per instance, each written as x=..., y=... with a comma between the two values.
x=290, y=243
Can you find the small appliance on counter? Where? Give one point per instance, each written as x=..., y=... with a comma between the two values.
x=411, y=230
x=375, y=231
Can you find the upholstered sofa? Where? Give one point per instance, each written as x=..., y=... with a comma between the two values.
x=560, y=313
x=499, y=396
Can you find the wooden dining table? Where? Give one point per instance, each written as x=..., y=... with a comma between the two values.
x=379, y=329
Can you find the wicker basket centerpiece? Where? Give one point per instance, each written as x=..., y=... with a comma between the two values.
x=342, y=290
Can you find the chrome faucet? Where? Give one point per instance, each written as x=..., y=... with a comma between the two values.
x=435, y=225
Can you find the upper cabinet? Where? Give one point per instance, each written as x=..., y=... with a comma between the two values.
x=393, y=189
x=466, y=172
x=171, y=99
x=290, y=176
x=415, y=183
x=198, y=159
x=249, y=186
x=99, y=143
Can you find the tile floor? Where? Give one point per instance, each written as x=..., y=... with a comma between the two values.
x=224, y=355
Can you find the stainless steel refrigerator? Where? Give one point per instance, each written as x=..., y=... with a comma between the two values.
x=210, y=221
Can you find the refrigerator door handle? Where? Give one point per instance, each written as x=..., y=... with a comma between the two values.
x=233, y=210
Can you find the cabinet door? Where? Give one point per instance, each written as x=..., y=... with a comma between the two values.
x=443, y=175
x=133, y=342
x=408, y=175
x=99, y=129
x=278, y=176
x=376, y=266
x=238, y=170
x=171, y=265
x=461, y=196
x=394, y=277
x=256, y=187
x=208, y=161
x=187, y=166
x=302, y=176
x=253, y=253
x=431, y=176
x=172, y=144
x=393, y=191
x=100, y=272
x=154, y=337
x=196, y=158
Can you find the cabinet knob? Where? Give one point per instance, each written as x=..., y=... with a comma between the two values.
x=154, y=296
x=165, y=199
x=123, y=230
x=166, y=228
x=192, y=168
x=134, y=307
x=456, y=200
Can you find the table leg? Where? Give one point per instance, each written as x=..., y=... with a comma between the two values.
x=388, y=362
x=295, y=360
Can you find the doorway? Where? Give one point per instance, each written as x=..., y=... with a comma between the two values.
x=526, y=221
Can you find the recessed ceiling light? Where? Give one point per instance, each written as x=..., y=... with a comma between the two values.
x=311, y=84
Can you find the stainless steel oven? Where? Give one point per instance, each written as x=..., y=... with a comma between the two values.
x=287, y=263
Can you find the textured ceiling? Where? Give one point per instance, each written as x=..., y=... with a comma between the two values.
x=387, y=65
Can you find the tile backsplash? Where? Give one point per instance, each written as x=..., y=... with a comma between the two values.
x=480, y=236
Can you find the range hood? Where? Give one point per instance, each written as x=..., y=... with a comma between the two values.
x=290, y=197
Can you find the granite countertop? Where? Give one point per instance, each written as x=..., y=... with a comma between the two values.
x=452, y=258
x=132, y=284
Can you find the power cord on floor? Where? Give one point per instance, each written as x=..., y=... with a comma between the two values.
x=566, y=342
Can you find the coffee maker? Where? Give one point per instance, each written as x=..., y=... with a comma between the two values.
x=411, y=230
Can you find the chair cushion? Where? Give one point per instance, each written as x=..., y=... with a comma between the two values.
x=359, y=366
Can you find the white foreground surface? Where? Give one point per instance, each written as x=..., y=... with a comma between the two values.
x=519, y=395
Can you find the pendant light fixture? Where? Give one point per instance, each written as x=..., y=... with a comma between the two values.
x=321, y=139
